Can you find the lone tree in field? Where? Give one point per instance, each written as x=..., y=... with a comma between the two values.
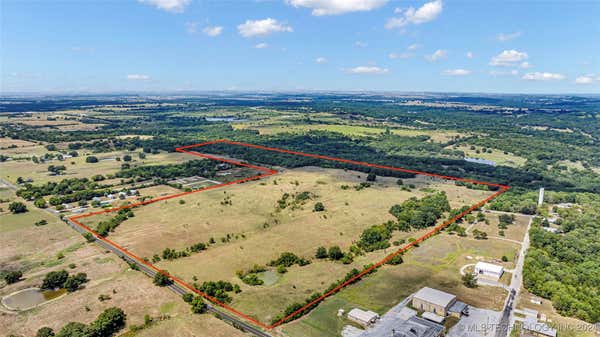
x=335, y=253
x=17, y=207
x=162, y=280
x=91, y=159
x=469, y=280
x=321, y=253
x=319, y=207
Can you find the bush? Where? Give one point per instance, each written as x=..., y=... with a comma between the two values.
x=187, y=297
x=319, y=207
x=469, y=280
x=13, y=276
x=17, y=207
x=91, y=159
x=45, y=332
x=55, y=279
x=40, y=203
x=335, y=253
x=371, y=177
x=162, y=280
x=321, y=253
x=198, y=306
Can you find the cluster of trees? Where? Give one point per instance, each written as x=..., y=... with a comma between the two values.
x=64, y=187
x=105, y=227
x=62, y=279
x=196, y=303
x=109, y=322
x=479, y=235
x=172, y=254
x=288, y=259
x=17, y=207
x=219, y=290
x=205, y=168
x=565, y=268
x=250, y=277
x=161, y=279
x=334, y=253
x=420, y=213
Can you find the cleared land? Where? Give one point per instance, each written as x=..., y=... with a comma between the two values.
x=77, y=167
x=350, y=130
x=259, y=230
x=436, y=263
x=497, y=156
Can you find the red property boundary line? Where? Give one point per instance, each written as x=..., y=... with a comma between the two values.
x=268, y=172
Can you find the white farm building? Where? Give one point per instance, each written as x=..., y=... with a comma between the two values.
x=488, y=270
x=362, y=317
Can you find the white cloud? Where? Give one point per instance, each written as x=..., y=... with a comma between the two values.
x=212, y=30
x=261, y=45
x=436, y=56
x=543, y=76
x=414, y=46
x=456, y=72
x=361, y=44
x=138, y=77
x=174, y=6
x=321, y=60
x=370, y=70
x=508, y=58
x=428, y=12
x=587, y=79
x=507, y=37
x=262, y=27
x=336, y=7
x=513, y=72
x=525, y=65
x=394, y=56
x=470, y=55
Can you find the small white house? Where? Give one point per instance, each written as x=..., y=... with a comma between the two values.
x=488, y=270
x=362, y=317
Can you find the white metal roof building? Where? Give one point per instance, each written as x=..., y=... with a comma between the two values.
x=489, y=270
x=362, y=317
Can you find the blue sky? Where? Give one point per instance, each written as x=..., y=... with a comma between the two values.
x=173, y=45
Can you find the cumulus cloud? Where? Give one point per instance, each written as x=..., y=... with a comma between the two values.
x=336, y=7
x=369, y=70
x=508, y=58
x=138, y=77
x=502, y=37
x=321, y=60
x=436, y=56
x=174, y=6
x=428, y=12
x=456, y=72
x=543, y=76
x=587, y=79
x=212, y=31
x=525, y=65
x=263, y=27
x=261, y=45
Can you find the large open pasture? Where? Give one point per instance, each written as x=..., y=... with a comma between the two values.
x=250, y=228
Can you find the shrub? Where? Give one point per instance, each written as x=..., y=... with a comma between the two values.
x=13, y=276
x=17, y=207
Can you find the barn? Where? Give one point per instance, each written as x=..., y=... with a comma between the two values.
x=488, y=270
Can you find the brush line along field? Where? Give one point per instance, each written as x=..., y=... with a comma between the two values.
x=266, y=172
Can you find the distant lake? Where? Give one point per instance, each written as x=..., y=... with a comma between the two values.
x=480, y=161
x=224, y=119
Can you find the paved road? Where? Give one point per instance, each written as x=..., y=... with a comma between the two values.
x=516, y=283
x=176, y=288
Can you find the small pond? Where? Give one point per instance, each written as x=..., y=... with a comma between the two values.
x=29, y=298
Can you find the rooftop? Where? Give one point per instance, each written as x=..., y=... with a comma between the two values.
x=435, y=296
x=494, y=268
